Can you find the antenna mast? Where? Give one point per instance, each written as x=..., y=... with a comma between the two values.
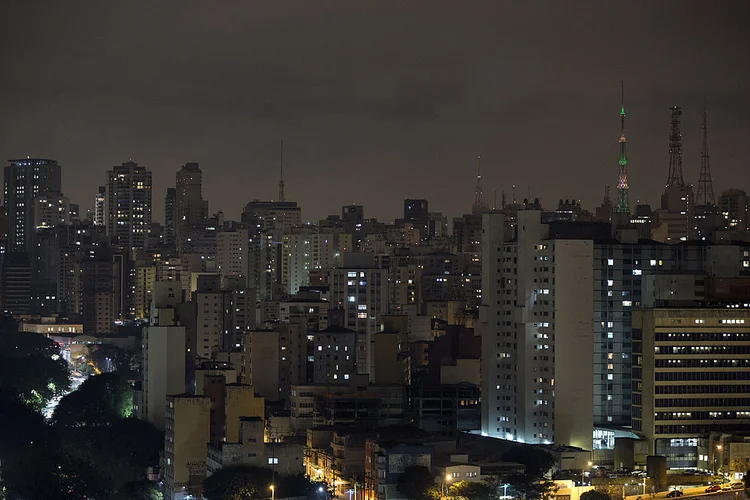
x=480, y=204
x=623, y=204
x=281, y=178
x=675, y=150
x=705, y=183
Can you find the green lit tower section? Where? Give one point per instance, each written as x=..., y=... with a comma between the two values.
x=623, y=205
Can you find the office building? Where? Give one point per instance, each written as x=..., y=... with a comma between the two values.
x=691, y=380
x=16, y=283
x=129, y=204
x=50, y=210
x=24, y=180
x=308, y=248
x=733, y=207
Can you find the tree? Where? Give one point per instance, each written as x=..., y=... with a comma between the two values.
x=529, y=487
x=100, y=400
x=595, y=495
x=140, y=490
x=418, y=483
x=747, y=480
x=120, y=452
x=20, y=425
x=31, y=366
x=472, y=491
x=537, y=461
x=238, y=483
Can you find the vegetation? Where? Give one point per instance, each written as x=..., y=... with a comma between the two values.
x=418, y=483
x=595, y=495
x=466, y=490
x=529, y=487
x=247, y=483
x=538, y=462
x=90, y=449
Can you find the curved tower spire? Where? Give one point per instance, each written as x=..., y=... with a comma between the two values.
x=705, y=183
x=675, y=150
x=623, y=204
x=480, y=204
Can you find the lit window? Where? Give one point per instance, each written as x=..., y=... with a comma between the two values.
x=610, y=262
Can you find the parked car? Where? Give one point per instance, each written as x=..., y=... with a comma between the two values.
x=712, y=488
x=674, y=494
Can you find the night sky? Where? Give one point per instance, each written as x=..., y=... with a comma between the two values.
x=376, y=101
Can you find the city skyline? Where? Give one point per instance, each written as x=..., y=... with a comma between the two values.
x=480, y=81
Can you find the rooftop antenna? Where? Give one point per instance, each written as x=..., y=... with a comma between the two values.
x=705, y=182
x=623, y=203
x=281, y=178
x=480, y=204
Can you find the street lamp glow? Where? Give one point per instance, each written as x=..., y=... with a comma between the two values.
x=448, y=477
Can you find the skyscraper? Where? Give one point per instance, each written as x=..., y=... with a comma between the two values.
x=129, y=204
x=100, y=206
x=169, y=216
x=190, y=207
x=24, y=180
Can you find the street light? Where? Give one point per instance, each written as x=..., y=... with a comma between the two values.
x=505, y=490
x=713, y=459
x=273, y=492
x=583, y=471
x=448, y=477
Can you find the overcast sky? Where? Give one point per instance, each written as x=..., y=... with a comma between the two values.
x=376, y=101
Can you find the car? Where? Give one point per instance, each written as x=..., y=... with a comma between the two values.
x=674, y=493
x=712, y=488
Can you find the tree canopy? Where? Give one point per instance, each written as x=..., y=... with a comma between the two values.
x=31, y=366
x=595, y=495
x=467, y=490
x=244, y=482
x=537, y=461
x=529, y=487
x=418, y=483
x=100, y=400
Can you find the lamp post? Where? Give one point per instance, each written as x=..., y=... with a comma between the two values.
x=505, y=490
x=583, y=471
x=713, y=458
x=448, y=477
x=273, y=493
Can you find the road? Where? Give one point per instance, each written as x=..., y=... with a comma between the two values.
x=75, y=382
x=696, y=492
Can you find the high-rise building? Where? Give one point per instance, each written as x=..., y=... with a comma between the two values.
x=129, y=204
x=100, y=206
x=50, y=210
x=231, y=258
x=360, y=287
x=185, y=445
x=416, y=211
x=164, y=354
x=733, y=205
x=691, y=370
x=308, y=248
x=25, y=179
x=169, y=216
x=16, y=283
x=189, y=206
x=99, y=300
x=537, y=326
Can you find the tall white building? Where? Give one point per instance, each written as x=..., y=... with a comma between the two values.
x=164, y=349
x=305, y=249
x=537, y=333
